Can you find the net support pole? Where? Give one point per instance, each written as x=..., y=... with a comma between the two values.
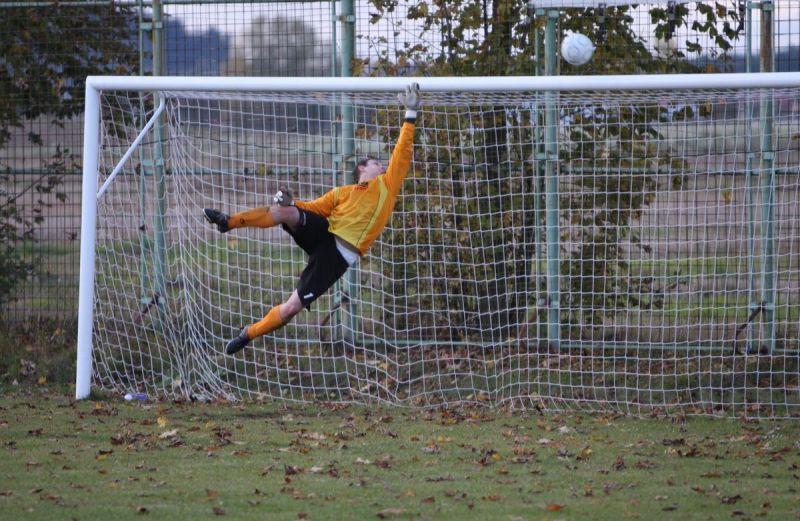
x=348, y=19
x=144, y=244
x=159, y=219
x=750, y=188
x=91, y=140
x=767, y=181
x=551, y=188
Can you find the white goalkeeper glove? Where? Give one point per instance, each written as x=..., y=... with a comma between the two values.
x=283, y=197
x=410, y=100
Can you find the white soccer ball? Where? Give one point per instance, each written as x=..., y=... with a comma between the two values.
x=577, y=49
x=666, y=48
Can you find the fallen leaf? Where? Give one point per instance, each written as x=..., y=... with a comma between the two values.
x=554, y=507
x=428, y=500
x=391, y=512
x=488, y=457
x=218, y=511
x=289, y=470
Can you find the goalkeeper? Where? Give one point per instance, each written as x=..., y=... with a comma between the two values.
x=334, y=230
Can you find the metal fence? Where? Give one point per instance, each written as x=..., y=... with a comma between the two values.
x=294, y=38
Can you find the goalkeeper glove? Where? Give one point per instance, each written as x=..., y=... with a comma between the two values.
x=410, y=100
x=283, y=197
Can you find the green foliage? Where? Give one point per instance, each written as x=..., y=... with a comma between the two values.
x=475, y=37
x=46, y=54
x=41, y=350
x=18, y=222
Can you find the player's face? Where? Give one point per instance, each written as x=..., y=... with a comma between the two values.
x=371, y=170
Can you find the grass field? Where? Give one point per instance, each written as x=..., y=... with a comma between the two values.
x=110, y=459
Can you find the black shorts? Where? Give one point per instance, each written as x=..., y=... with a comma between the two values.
x=325, y=264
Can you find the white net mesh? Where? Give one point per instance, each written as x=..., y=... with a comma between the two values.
x=670, y=281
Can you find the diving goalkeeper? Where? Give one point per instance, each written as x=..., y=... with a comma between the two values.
x=334, y=230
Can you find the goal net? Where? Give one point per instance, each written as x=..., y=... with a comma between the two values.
x=557, y=243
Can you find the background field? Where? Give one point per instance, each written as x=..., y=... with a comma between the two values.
x=107, y=458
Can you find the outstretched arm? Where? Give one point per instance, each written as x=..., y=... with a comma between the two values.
x=401, y=156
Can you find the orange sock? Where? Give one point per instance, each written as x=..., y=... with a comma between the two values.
x=257, y=217
x=268, y=324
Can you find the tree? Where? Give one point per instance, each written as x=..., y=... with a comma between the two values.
x=45, y=55
x=494, y=37
x=280, y=46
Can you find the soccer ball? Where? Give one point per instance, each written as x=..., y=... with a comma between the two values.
x=666, y=48
x=577, y=49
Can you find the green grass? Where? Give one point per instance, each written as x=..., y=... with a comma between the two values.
x=110, y=459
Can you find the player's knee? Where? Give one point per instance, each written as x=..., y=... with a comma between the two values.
x=291, y=307
x=285, y=214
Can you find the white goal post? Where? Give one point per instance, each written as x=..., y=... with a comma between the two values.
x=595, y=242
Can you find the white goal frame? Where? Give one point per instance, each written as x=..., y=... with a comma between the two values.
x=97, y=84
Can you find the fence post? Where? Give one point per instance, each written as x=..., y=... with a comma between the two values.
x=159, y=242
x=551, y=188
x=348, y=19
x=767, y=180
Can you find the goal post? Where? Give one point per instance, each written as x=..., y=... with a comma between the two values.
x=654, y=266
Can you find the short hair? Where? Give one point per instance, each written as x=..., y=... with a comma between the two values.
x=356, y=173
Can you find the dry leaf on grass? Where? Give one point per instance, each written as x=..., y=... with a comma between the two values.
x=390, y=512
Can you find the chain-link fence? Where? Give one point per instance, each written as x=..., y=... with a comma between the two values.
x=47, y=48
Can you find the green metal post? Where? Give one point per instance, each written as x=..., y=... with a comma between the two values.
x=537, y=124
x=144, y=296
x=348, y=141
x=334, y=55
x=336, y=152
x=159, y=242
x=750, y=185
x=767, y=180
x=551, y=188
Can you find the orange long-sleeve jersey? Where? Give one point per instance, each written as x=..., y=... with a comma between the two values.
x=358, y=213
